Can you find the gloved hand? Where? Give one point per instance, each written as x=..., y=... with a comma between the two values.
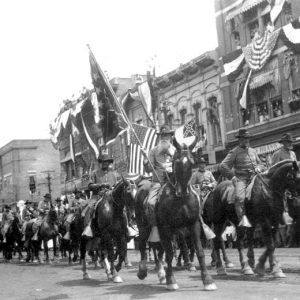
x=234, y=180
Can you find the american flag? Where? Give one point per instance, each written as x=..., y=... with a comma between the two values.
x=148, y=139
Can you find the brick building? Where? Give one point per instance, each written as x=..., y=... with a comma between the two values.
x=27, y=161
x=273, y=97
x=192, y=91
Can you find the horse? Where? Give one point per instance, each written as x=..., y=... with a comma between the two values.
x=177, y=208
x=110, y=225
x=48, y=230
x=264, y=208
x=13, y=240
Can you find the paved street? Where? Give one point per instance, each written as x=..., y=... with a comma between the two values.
x=60, y=281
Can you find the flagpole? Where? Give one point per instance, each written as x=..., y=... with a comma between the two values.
x=111, y=91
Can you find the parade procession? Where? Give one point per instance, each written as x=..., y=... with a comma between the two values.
x=159, y=150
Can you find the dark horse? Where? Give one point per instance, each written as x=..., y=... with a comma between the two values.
x=13, y=240
x=179, y=208
x=265, y=208
x=47, y=231
x=110, y=225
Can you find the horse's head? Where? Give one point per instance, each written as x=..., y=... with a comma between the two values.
x=124, y=192
x=286, y=175
x=183, y=162
x=52, y=216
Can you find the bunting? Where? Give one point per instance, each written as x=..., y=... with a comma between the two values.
x=290, y=35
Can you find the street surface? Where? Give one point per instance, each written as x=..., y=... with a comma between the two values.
x=60, y=281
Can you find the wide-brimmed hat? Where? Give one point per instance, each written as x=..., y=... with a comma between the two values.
x=165, y=129
x=202, y=160
x=58, y=199
x=94, y=187
x=286, y=137
x=243, y=133
x=105, y=158
x=27, y=202
x=7, y=206
x=47, y=196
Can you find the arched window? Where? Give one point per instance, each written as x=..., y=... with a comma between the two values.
x=182, y=115
x=170, y=120
x=214, y=119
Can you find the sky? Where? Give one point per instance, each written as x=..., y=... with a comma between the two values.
x=44, y=57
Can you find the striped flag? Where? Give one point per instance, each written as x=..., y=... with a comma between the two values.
x=148, y=139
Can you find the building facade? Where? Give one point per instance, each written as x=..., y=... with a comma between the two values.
x=192, y=91
x=270, y=105
x=25, y=162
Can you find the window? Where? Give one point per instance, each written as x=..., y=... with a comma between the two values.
x=170, y=120
x=277, y=109
x=262, y=112
x=214, y=121
x=253, y=28
x=182, y=115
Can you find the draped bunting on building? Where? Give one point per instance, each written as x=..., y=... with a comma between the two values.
x=290, y=35
x=258, y=52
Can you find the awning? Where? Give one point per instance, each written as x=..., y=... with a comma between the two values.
x=270, y=148
x=247, y=4
x=261, y=79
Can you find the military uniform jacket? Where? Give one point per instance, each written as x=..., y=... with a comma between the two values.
x=160, y=161
x=27, y=214
x=110, y=177
x=283, y=154
x=240, y=162
x=201, y=177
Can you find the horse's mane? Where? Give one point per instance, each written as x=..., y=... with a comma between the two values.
x=278, y=166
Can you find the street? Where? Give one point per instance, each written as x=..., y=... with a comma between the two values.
x=58, y=280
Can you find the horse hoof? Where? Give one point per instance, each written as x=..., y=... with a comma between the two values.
x=117, y=279
x=128, y=265
x=162, y=280
x=172, y=286
x=229, y=265
x=259, y=270
x=221, y=271
x=86, y=276
x=192, y=269
x=210, y=287
x=247, y=271
x=213, y=264
x=279, y=274
x=22, y=260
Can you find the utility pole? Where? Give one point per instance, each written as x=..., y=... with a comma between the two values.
x=48, y=180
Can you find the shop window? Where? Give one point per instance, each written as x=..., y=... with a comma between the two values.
x=294, y=101
x=277, y=108
x=262, y=112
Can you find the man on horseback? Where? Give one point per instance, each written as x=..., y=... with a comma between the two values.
x=103, y=180
x=43, y=209
x=160, y=158
x=240, y=165
x=7, y=218
x=286, y=151
x=27, y=215
x=204, y=178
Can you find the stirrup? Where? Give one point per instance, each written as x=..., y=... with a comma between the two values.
x=88, y=231
x=245, y=222
x=67, y=236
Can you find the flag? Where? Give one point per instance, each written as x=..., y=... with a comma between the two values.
x=243, y=99
x=89, y=139
x=145, y=96
x=186, y=133
x=72, y=148
x=233, y=64
x=290, y=35
x=94, y=101
x=111, y=116
x=148, y=139
x=276, y=8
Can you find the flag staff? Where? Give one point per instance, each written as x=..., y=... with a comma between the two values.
x=113, y=95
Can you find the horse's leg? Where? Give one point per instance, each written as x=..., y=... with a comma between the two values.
x=227, y=261
x=46, y=250
x=122, y=246
x=217, y=245
x=144, y=232
x=166, y=240
x=246, y=269
x=250, y=253
x=86, y=275
x=208, y=282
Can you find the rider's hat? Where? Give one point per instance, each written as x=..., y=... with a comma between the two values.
x=165, y=129
x=7, y=206
x=94, y=187
x=27, y=202
x=286, y=137
x=47, y=196
x=58, y=199
x=243, y=133
x=202, y=160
